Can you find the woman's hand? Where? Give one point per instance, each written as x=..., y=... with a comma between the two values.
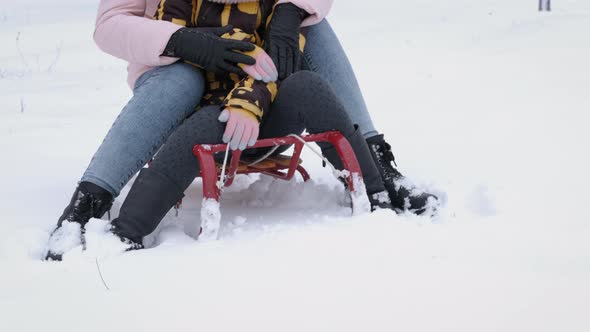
x=264, y=69
x=281, y=40
x=205, y=47
x=241, y=129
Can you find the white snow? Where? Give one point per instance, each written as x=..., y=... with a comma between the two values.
x=484, y=102
x=100, y=242
x=382, y=197
x=210, y=219
x=358, y=197
x=65, y=238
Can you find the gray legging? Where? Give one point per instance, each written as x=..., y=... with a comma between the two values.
x=304, y=101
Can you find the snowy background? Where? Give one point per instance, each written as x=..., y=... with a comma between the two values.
x=489, y=109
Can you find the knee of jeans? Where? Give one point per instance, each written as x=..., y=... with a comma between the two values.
x=186, y=77
x=189, y=74
x=320, y=31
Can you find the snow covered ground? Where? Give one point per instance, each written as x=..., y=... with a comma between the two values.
x=487, y=104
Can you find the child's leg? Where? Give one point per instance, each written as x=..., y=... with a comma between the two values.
x=176, y=159
x=162, y=99
x=162, y=185
x=324, y=55
x=305, y=100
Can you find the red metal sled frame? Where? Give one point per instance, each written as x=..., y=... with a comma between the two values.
x=211, y=174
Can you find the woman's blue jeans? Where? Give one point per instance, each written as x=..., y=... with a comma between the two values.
x=165, y=96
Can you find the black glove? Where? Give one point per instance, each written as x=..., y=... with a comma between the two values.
x=205, y=47
x=281, y=40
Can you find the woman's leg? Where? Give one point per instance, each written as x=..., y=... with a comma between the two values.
x=324, y=55
x=159, y=187
x=162, y=99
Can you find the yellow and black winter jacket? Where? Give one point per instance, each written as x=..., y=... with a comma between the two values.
x=249, y=20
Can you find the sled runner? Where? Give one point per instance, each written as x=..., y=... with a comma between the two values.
x=278, y=166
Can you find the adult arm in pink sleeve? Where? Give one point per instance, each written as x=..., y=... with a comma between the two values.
x=123, y=31
x=317, y=9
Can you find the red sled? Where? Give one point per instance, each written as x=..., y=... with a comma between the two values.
x=278, y=166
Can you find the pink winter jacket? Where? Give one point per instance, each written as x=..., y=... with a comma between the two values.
x=126, y=30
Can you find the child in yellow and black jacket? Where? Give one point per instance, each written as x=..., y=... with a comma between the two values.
x=249, y=20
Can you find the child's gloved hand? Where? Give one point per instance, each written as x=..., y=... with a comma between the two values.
x=264, y=69
x=241, y=129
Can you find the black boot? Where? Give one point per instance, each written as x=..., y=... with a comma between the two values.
x=404, y=195
x=88, y=201
x=150, y=198
x=371, y=177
